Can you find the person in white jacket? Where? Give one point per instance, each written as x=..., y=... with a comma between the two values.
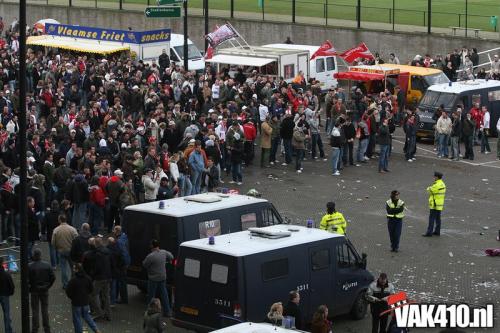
x=151, y=182
x=443, y=128
x=485, y=131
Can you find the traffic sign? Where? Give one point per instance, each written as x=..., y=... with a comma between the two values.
x=172, y=11
x=169, y=2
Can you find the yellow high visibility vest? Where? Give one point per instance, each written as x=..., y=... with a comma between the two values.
x=437, y=193
x=334, y=223
x=399, y=204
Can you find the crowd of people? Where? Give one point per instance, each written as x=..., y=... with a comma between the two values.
x=106, y=133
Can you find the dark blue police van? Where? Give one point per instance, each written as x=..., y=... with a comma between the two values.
x=238, y=276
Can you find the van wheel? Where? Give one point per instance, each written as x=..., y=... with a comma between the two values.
x=360, y=307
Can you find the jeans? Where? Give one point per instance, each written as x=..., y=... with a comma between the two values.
x=185, y=185
x=264, y=156
x=4, y=302
x=236, y=171
x=79, y=214
x=340, y=164
x=275, y=143
x=54, y=256
x=65, y=266
x=159, y=286
x=119, y=288
x=113, y=217
x=347, y=152
x=455, y=145
x=485, y=145
x=411, y=142
x=335, y=159
x=362, y=145
x=434, y=218
x=316, y=141
x=100, y=298
x=38, y=299
x=383, y=160
x=79, y=312
x=287, y=143
x=372, y=140
x=476, y=137
x=394, y=225
x=443, y=145
x=96, y=218
x=196, y=181
x=299, y=156
x=469, y=147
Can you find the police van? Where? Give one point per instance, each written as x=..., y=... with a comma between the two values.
x=452, y=94
x=239, y=275
x=192, y=217
x=250, y=327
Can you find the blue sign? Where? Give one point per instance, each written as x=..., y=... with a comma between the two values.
x=109, y=35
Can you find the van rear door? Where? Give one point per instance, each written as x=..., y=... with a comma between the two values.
x=321, y=272
x=348, y=277
x=206, y=288
x=320, y=75
x=331, y=69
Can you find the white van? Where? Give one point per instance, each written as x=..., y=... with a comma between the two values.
x=320, y=68
x=196, y=62
x=250, y=327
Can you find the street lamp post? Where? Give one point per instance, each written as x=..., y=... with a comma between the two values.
x=22, y=147
x=185, y=48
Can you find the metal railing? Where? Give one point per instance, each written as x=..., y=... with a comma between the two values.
x=326, y=12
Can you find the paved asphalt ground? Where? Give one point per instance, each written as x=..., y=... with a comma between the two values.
x=450, y=268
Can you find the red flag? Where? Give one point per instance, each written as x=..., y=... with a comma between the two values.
x=326, y=49
x=209, y=53
x=221, y=34
x=360, y=51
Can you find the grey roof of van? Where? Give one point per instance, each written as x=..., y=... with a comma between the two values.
x=180, y=207
x=461, y=86
x=240, y=244
x=249, y=327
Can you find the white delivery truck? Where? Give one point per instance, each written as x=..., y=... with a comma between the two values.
x=321, y=68
x=268, y=61
x=196, y=62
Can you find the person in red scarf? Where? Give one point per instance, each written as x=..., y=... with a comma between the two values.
x=250, y=134
x=477, y=116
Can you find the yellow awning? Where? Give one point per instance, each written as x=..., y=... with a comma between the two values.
x=76, y=44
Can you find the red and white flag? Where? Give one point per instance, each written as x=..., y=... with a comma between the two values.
x=209, y=53
x=326, y=49
x=221, y=34
x=360, y=51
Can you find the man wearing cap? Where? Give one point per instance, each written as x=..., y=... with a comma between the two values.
x=437, y=193
x=395, y=213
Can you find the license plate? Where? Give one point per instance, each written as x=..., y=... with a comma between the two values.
x=190, y=311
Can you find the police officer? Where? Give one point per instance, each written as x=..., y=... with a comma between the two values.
x=395, y=213
x=377, y=295
x=436, y=192
x=333, y=221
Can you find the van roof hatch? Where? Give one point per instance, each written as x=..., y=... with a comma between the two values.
x=203, y=198
x=259, y=232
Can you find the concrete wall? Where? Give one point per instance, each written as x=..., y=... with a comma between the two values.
x=405, y=45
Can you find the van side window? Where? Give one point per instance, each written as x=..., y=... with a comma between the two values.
x=248, y=221
x=192, y=268
x=320, y=65
x=209, y=228
x=219, y=273
x=320, y=259
x=417, y=83
x=330, y=64
x=494, y=95
x=173, y=56
x=345, y=256
x=269, y=217
x=274, y=269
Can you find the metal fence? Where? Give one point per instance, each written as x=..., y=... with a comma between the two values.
x=359, y=13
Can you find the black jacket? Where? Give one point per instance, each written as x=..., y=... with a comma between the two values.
x=118, y=268
x=41, y=277
x=383, y=135
x=286, y=129
x=293, y=310
x=79, y=246
x=49, y=223
x=6, y=284
x=98, y=263
x=78, y=289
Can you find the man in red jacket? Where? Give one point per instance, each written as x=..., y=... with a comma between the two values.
x=477, y=116
x=250, y=134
